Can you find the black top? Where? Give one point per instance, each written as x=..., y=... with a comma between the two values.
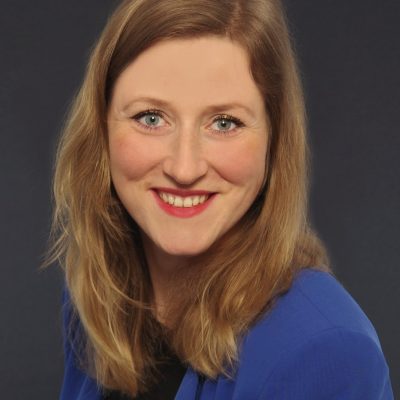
x=171, y=371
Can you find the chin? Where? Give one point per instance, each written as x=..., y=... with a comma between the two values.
x=182, y=249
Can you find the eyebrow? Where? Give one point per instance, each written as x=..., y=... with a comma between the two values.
x=211, y=108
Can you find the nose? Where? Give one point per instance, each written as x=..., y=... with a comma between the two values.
x=185, y=161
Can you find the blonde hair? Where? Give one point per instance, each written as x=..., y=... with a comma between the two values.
x=229, y=287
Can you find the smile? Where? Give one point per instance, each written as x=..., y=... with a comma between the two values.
x=183, y=207
x=178, y=201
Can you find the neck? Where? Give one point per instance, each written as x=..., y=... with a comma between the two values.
x=164, y=269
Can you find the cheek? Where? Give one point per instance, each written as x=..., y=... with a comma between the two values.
x=129, y=157
x=243, y=163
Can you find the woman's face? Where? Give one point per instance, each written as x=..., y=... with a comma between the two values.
x=182, y=143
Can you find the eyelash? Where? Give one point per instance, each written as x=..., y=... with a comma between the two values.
x=225, y=117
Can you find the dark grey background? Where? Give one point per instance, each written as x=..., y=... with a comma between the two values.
x=350, y=62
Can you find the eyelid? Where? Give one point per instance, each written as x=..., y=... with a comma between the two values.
x=146, y=112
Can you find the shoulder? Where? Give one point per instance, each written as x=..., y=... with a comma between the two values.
x=315, y=338
x=316, y=302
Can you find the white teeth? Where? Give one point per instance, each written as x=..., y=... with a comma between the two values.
x=178, y=201
x=164, y=196
x=187, y=202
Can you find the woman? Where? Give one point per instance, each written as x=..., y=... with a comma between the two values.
x=192, y=271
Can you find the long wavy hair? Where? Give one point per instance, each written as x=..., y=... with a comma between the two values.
x=228, y=288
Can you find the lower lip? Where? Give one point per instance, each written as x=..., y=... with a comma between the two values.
x=183, y=212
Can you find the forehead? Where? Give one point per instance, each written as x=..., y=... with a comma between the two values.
x=192, y=71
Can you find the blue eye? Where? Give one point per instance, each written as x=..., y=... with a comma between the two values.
x=151, y=117
x=226, y=121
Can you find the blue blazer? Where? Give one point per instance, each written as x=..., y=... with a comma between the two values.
x=315, y=344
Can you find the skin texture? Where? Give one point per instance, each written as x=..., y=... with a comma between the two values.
x=188, y=147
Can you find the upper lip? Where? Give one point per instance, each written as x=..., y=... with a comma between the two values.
x=183, y=193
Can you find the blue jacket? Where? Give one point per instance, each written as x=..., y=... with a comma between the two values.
x=316, y=344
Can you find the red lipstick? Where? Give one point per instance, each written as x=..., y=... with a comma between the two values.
x=183, y=193
x=183, y=212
